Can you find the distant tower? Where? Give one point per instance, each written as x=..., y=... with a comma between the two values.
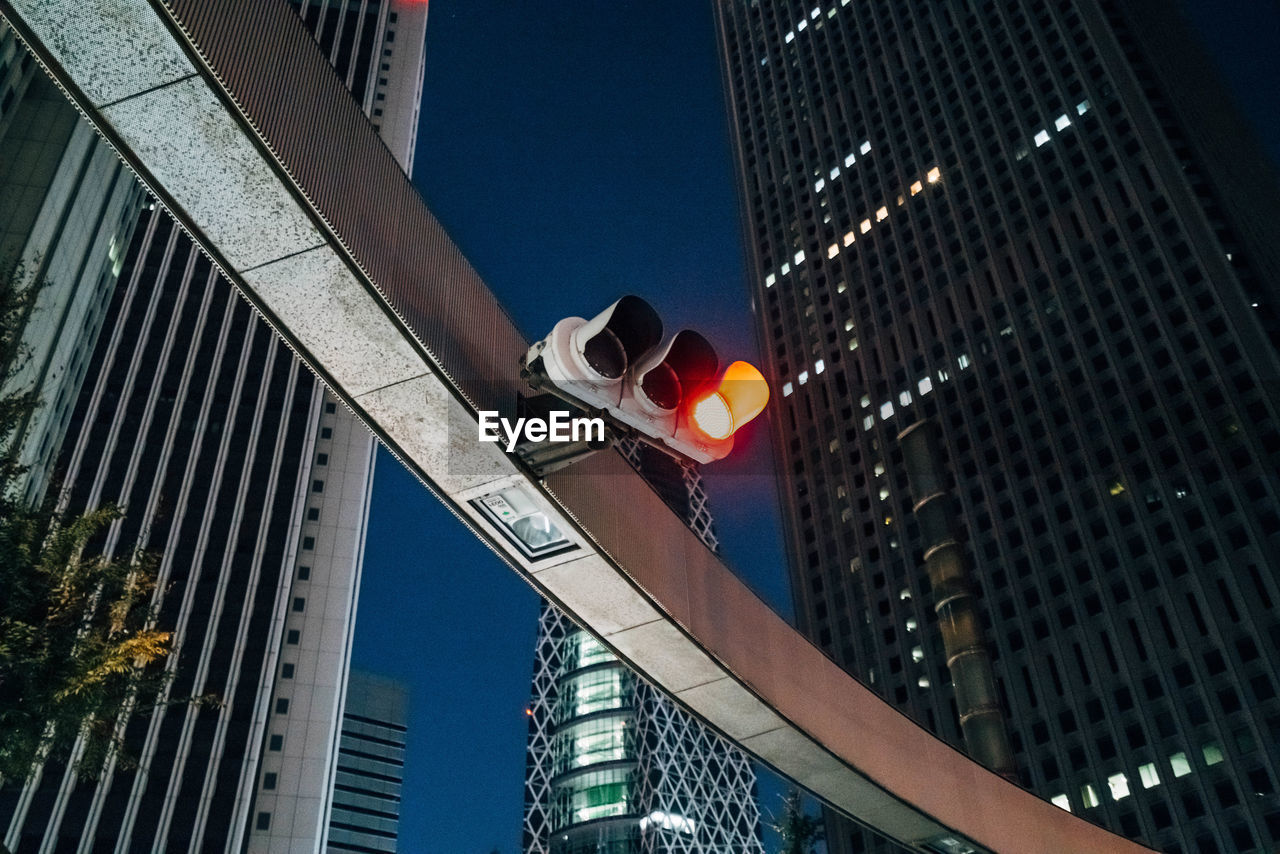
x=366, y=792
x=252, y=484
x=1039, y=226
x=614, y=767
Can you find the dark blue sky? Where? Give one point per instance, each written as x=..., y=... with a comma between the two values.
x=577, y=151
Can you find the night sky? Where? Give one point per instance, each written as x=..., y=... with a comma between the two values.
x=576, y=152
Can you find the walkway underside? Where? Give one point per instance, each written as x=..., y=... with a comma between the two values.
x=230, y=115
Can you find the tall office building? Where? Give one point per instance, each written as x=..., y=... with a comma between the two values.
x=69, y=210
x=366, y=791
x=614, y=766
x=1039, y=225
x=251, y=485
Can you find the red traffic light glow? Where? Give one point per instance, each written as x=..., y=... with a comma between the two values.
x=740, y=396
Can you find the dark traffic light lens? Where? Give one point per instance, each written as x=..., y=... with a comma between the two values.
x=605, y=355
x=662, y=387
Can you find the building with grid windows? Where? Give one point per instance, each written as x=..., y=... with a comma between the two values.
x=366, y=790
x=251, y=485
x=614, y=766
x=1040, y=227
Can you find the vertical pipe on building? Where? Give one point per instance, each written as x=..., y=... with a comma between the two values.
x=956, y=604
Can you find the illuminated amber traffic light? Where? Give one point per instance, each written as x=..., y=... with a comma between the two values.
x=617, y=365
x=740, y=396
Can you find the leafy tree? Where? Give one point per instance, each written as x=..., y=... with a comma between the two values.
x=799, y=830
x=76, y=633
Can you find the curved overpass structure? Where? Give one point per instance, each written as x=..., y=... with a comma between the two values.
x=229, y=114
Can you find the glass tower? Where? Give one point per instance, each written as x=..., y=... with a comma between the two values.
x=366, y=790
x=614, y=766
x=1040, y=227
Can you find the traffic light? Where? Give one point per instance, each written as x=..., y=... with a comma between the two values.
x=669, y=394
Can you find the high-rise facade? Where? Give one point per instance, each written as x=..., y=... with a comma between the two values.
x=1039, y=226
x=69, y=210
x=614, y=766
x=366, y=791
x=251, y=485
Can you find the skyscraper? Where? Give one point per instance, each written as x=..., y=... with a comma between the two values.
x=366, y=791
x=1040, y=227
x=614, y=766
x=242, y=474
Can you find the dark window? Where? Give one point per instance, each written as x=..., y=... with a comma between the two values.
x=264, y=820
x=268, y=781
x=277, y=743
x=286, y=671
x=282, y=706
x=293, y=637
x=299, y=603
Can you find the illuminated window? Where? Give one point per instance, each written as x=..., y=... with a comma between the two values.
x=800, y=27
x=1119, y=785
x=866, y=147
x=902, y=200
x=916, y=187
x=866, y=401
x=1021, y=152
x=934, y=175
x=1062, y=122
x=853, y=344
x=848, y=325
x=1147, y=774
x=817, y=10
x=962, y=361
x=886, y=411
x=819, y=184
x=884, y=493
x=848, y=238
x=1178, y=762
x=868, y=422
x=784, y=269
x=904, y=398
x=882, y=214
x=1042, y=137
x=925, y=385
x=1061, y=802
x=911, y=625
x=800, y=257
x=819, y=366
x=804, y=377
x=787, y=389
x=1212, y=753
x=833, y=250
x=904, y=594
x=1115, y=487
x=770, y=280
x=865, y=226
x=850, y=160
x=917, y=654
x=1088, y=795
x=834, y=174
x=1082, y=107
x=923, y=681
x=879, y=469
x=789, y=38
